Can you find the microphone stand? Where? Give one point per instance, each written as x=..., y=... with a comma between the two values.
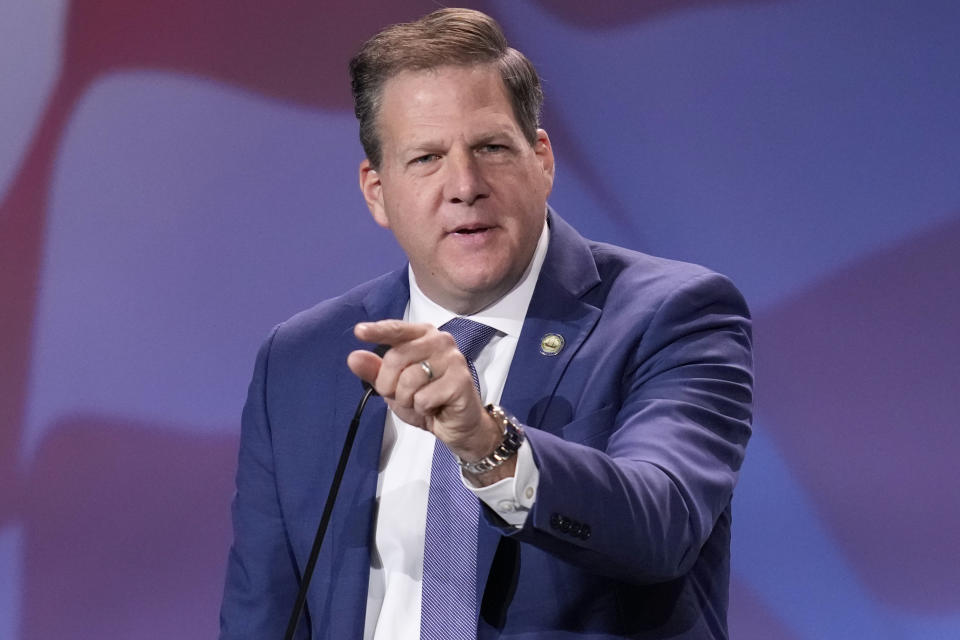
x=325, y=518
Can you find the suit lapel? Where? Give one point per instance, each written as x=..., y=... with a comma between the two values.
x=351, y=525
x=557, y=307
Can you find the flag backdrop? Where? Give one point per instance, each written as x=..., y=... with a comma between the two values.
x=177, y=176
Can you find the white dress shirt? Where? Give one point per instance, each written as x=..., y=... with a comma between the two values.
x=406, y=455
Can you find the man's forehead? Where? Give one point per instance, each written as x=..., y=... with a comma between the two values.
x=458, y=80
x=445, y=101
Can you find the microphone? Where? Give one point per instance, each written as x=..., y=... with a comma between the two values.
x=328, y=506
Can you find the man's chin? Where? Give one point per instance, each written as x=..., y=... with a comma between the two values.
x=481, y=293
x=467, y=295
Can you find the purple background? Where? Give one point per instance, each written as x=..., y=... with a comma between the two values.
x=178, y=176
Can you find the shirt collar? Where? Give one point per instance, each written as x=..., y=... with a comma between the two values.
x=506, y=315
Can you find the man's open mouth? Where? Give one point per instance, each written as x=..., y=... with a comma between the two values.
x=471, y=230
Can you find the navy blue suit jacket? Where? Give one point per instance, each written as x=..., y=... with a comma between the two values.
x=638, y=427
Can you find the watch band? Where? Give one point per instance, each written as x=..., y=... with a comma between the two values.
x=513, y=437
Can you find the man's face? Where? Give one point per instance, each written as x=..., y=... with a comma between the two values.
x=460, y=187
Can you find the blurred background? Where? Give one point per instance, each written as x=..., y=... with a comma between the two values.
x=176, y=177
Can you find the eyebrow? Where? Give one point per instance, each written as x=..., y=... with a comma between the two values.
x=487, y=138
x=432, y=145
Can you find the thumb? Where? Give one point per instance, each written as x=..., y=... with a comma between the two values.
x=365, y=365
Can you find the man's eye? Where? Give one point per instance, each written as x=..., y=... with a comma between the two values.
x=493, y=148
x=424, y=159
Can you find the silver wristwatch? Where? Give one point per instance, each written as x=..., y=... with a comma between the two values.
x=512, y=439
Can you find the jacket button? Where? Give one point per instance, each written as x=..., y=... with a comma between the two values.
x=555, y=520
x=585, y=532
x=565, y=525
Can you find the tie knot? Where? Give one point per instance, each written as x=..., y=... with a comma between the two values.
x=471, y=336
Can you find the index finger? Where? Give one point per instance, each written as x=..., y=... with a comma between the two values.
x=391, y=332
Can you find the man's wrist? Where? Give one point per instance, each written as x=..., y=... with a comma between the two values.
x=511, y=438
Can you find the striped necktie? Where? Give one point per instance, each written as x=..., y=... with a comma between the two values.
x=448, y=609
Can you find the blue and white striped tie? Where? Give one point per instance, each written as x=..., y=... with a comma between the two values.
x=449, y=609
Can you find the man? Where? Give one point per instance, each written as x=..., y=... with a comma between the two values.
x=603, y=509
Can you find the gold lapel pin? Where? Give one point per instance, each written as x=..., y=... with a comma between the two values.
x=551, y=344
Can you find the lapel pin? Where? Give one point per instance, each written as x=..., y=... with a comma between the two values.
x=551, y=344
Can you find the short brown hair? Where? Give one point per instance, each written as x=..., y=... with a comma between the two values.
x=460, y=37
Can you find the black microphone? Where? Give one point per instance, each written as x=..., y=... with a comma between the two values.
x=328, y=507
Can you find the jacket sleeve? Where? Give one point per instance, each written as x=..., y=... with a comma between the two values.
x=639, y=498
x=262, y=577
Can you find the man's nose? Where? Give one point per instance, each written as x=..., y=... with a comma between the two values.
x=465, y=182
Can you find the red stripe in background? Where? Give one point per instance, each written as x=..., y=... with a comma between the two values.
x=287, y=49
x=860, y=392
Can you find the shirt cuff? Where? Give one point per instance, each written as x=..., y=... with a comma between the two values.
x=512, y=498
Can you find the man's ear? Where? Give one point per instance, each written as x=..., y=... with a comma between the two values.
x=544, y=151
x=372, y=190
